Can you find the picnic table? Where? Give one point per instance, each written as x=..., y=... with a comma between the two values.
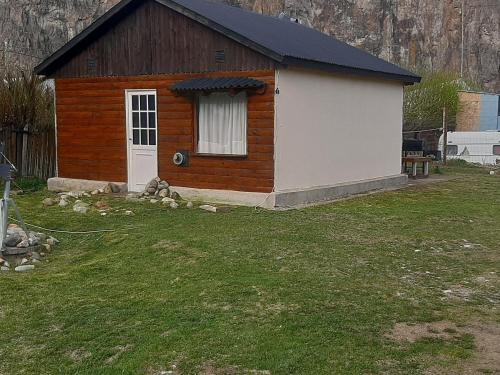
x=414, y=161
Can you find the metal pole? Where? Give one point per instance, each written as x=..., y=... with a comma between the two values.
x=445, y=137
x=5, y=212
x=463, y=41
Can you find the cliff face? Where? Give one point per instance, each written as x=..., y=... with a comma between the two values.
x=412, y=33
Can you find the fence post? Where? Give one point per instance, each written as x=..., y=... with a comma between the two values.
x=445, y=137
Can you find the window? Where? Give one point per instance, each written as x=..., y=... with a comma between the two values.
x=452, y=150
x=496, y=150
x=222, y=124
x=144, y=120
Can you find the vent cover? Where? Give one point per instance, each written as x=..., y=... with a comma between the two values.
x=91, y=64
x=220, y=56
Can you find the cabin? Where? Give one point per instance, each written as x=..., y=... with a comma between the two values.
x=226, y=105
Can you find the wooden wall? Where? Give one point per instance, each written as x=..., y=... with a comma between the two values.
x=154, y=39
x=92, y=133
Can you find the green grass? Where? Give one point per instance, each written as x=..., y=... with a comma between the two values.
x=310, y=291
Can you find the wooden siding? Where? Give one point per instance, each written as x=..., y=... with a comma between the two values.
x=92, y=133
x=153, y=39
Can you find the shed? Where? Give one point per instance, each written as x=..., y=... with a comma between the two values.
x=226, y=105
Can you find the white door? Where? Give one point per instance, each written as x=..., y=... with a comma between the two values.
x=142, y=138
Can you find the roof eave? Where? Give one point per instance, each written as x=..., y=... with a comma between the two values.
x=406, y=79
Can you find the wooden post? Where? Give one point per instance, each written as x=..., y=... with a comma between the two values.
x=445, y=137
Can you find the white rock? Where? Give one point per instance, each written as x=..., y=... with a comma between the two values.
x=95, y=192
x=24, y=261
x=209, y=208
x=51, y=241
x=23, y=243
x=129, y=213
x=492, y=173
x=174, y=205
x=167, y=200
x=104, y=214
x=154, y=201
x=4, y=269
x=63, y=203
x=47, y=202
x=81, y=208
x=190, y=205
x=27, y=267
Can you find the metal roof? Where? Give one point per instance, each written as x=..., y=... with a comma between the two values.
x=286, y=42
x=214, y=84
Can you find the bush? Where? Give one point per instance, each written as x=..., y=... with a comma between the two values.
x=26, y=103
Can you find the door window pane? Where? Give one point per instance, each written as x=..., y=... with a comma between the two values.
x=152, y=102
x=143, y=103
x=144, y=120
x=135, y=103
x=136, y=137
x=152, y=120
x=144, y=137
x=135, y=119
x=152, y=137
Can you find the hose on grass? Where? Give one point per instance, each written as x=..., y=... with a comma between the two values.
x=64, y=231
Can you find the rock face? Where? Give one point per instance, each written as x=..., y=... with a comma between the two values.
x=413, y=33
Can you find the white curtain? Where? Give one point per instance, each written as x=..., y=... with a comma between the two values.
x=222, y=124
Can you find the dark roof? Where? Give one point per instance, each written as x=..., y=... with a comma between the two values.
x=284, y=41
x=214, y=84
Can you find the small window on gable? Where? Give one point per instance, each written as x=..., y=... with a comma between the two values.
x=452, y=150
x=496, y=150
x=222, y=124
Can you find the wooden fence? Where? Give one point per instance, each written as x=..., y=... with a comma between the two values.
x=33, y=153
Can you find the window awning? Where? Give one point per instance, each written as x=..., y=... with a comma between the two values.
x=217, y=84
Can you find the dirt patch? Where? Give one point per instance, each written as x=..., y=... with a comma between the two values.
x=119, y=351
x=79, y=355
x=458, y=292
x=403, y=332
x=486, y=357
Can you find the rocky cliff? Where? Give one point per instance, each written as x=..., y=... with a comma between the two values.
x=412, y=33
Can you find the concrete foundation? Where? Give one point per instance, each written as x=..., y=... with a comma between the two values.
x=239, y=198
x=293, y=199
x=58, y=184
x=274, y=200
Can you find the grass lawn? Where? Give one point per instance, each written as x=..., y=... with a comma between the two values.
x=313, y=291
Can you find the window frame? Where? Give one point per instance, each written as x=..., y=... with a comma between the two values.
x=196, y=104
x=496, y=147
x=448, y=150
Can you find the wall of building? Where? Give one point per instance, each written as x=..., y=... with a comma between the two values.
x=153, y=39
x=91, y=133
x=335, y=129
x=478, y=112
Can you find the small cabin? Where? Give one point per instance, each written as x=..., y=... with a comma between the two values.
x=226, y=105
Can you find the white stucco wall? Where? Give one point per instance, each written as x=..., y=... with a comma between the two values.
x=333, y=129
